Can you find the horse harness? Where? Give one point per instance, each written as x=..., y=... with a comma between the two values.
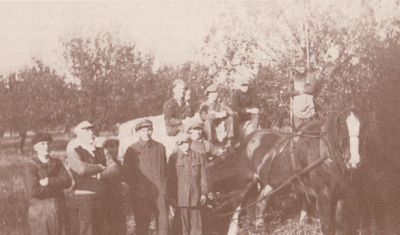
x=281, y=146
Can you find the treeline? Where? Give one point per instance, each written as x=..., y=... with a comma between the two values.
x=113, y=81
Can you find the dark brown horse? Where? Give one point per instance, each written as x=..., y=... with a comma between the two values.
x=272, y=157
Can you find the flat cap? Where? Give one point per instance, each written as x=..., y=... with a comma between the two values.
x=194, y=125
x=41, y=137
x=210, y=89
x=83, y=125
x=182, y=138
x=143, y=123
x=111, y=142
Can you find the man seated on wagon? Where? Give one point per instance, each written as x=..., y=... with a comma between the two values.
x=245, y=104
x=177, y=108
x=217, y=115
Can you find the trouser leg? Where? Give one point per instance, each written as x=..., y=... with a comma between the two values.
x=162, y=215
x=209, y=129
x=195, y=221
x=142, y=210
x=229, y=126
x=90, y=215
x=185, y=220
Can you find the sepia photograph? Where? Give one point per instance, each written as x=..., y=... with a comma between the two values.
x=214, y=117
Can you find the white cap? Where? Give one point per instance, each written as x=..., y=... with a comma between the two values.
x=83, y=125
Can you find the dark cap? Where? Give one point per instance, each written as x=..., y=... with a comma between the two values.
x=111, y=142
x=41, y=137
x=194, y=125
x=182, y=138
x=143, y=123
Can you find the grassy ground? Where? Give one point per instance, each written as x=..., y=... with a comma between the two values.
x=14, y=200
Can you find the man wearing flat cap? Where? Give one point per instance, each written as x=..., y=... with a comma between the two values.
x=245, y=104
x=145, y=171
x=45, y=180
x=88, y=166
x=177, y=108
x=187, y=185
x=215, y=113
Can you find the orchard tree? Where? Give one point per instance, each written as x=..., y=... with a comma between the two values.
x=34, y=100
x=108, y=73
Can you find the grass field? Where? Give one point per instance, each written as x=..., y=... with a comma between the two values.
x=14, y=200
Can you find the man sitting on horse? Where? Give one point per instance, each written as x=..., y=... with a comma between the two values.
x=177, y=108
x=304, y=89
x=217, y=115
x=245, y=104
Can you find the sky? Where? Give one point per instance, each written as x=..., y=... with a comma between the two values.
x=171, y=30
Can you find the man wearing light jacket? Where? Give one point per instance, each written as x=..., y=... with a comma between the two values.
x=88, y=166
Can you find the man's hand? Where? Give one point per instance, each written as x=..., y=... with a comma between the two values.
x=221, y=114
x=203, y=199
x=96, y=176
x=44, y=181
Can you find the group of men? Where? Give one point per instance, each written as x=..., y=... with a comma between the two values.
x=155, y=182
x=215, y=113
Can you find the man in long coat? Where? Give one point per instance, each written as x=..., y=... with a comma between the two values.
x=188, y=185
x=145, y=171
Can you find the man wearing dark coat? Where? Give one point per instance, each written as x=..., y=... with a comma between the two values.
x=145, y=171
x=188, y=185
x=45, y=180
x=177, y=108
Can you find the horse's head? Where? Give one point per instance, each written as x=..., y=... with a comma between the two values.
x=346, y=130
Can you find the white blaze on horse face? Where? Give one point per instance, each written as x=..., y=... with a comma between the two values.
x=353, y=127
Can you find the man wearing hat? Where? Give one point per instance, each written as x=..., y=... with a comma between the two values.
x=177, y=108
x=187, y=186
x=195, y=131
x=215, y=113
x=45, y=180
x=145, y=171
x=88, y=166
x=245, y=104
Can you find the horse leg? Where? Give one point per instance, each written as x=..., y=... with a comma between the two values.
x=339, y=217
x=326, y=214
x=261, y=205
x=234, y=224
x=308, y=208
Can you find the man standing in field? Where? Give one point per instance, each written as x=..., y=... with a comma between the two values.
x=45, y=179
x=188, y=185
x=145, y=171
x=88, y=166
x=177, y=108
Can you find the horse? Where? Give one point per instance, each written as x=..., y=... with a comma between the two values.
x=334, y=148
